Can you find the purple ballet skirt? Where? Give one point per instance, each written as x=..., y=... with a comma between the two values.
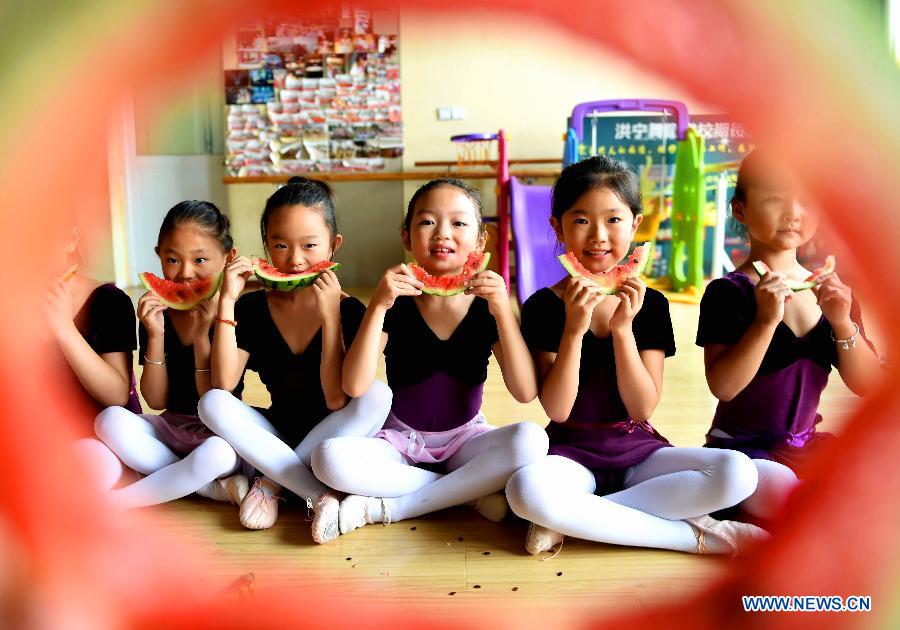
x=183, y=433
x=775, y=417
x=180, y=432
x=607, y=449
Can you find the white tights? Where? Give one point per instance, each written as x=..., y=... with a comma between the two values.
x=776, y=482
x=670, y=485
x=372, y=467
x=258, y=442
x=141, y=447
x=103, y=466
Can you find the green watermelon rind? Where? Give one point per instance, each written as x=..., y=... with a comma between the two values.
x=606, y=287
x=179, y=306
x=456, y=290
x=795, y=285
x=291, y=283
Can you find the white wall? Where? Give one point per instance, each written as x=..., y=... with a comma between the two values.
x=160, y=182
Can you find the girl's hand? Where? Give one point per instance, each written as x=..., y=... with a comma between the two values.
x=396, y=281
x=236, y=274
x=491, y=287
x=202, y=317
x=771, y=294
x=631, y=299
x=328, y=295
x=581, y=298
x=59, y=307
x=834, y=298
x=150, y=312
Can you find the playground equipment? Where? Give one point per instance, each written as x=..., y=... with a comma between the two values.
x=535, y=242
x=575, y=133
x=535, y=250
x=678, y=194
x=472, y=151
x=656, y=193
x=688, y=201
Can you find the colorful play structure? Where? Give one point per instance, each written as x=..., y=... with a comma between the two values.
x=675, y=196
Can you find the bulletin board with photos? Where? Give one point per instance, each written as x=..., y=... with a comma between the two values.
x=312, y=93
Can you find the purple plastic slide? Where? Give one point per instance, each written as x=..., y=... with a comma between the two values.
x=536, y=244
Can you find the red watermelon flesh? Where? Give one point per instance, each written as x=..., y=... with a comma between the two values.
x=610, y=281
x=446, y=286
x=271, y=278
x=181, y=296
x=807, y=283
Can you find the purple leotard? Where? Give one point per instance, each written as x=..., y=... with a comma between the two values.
x=598, y=433
x=775, y=416
x=437, y=384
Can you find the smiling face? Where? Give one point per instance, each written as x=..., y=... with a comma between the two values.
x=190, y=252
x=298, y=238
x=775, y=217
x=598, y=229
x=443, y=230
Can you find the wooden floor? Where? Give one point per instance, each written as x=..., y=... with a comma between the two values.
x=446, y=560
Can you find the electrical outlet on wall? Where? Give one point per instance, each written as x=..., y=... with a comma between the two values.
x=457, y=113
x=444, y=113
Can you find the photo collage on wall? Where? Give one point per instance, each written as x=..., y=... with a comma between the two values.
x=312, y=94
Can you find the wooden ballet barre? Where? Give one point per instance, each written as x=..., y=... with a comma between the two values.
x=387, y=177
x=488, y=162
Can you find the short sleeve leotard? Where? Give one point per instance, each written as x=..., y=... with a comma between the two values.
x=180, y=369
x=775, y=416
x=107, y=323
x=598, y=433
x=437, y=384
x=293, y=381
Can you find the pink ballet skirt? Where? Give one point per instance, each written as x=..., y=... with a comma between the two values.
x=430, y=447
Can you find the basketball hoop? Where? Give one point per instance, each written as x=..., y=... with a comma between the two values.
x=474, y=149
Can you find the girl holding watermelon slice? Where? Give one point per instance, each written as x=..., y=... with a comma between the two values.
x=90, y=325
x=176, y=452
x=437, y=333
x=294, y=339
x=769, y=344
x=610, y=476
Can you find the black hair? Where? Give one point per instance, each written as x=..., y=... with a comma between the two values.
x=300, y=191
x=473, y=195
x=759, y=168
x=596, y=172
x=204, y=214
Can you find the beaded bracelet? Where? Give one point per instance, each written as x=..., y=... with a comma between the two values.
x=849, y=342
x=230, y=322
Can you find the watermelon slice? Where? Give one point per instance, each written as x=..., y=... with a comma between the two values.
x=271, y=278
x=610, y=281
x=70, y=273
x=799, y=285
x=181, y=296
x=446, y=286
